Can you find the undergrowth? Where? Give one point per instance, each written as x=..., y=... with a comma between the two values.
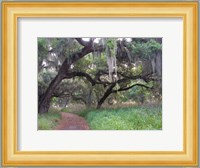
x=48, y=121
x=126, y=118
x=130, y=118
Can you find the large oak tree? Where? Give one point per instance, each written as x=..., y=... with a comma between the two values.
x=128, y=65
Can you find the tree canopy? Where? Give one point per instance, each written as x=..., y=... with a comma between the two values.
x=98, y=69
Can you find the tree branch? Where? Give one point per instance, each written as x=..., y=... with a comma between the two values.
x=127, y=88
x=78, y=98
x=82, y=42
x=106, y=94
x=81, y=74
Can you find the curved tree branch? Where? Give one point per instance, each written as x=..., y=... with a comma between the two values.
x=127, y=88
x=78, y=98
x=106, y=94
x=81, y=74
x=82, y=42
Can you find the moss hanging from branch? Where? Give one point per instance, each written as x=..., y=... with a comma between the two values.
x=95, y=46
x=111, y=46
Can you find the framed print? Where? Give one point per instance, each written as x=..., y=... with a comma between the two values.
x=100, y=84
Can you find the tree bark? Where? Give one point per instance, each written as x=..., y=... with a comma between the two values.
x=45, y=100
x=105, y=96
x=89, y=98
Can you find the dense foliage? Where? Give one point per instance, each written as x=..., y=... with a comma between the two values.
x=112, y=70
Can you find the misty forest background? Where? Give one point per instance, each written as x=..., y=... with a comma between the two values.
x=113, y=83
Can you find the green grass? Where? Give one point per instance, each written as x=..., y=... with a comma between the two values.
x=48, y=121
x=126, y=118
x=129, y=118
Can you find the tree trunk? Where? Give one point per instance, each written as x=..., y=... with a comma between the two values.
x=45, y=100
x=89, y=98
x=44, y=103
x=105, y=96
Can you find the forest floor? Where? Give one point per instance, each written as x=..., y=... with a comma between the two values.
x=77, y=117
x=71, y=121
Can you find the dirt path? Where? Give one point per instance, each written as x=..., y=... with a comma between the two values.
x=71, y=121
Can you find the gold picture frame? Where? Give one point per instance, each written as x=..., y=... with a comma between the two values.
x=14, y=10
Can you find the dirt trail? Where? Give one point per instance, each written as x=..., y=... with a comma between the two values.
x=71, y=121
